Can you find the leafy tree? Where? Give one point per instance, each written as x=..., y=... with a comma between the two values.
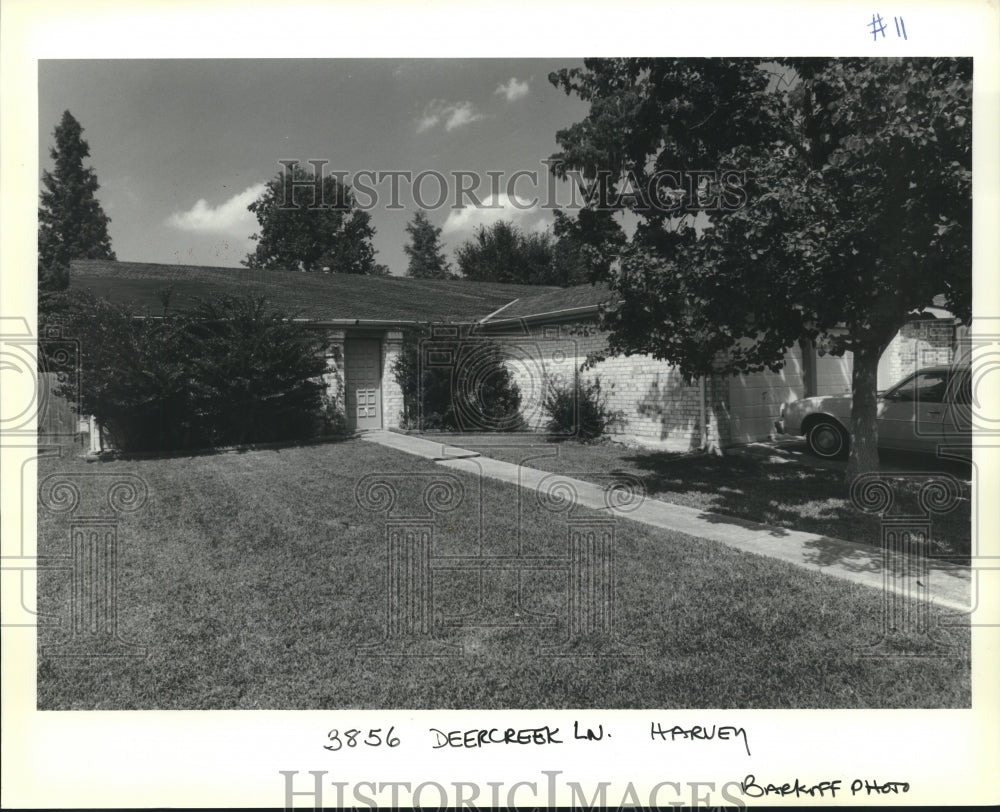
x=427, y=260
x=819, y=199
x=71, y=222
x=584, y=246
x=502, y=252
x=303, y=228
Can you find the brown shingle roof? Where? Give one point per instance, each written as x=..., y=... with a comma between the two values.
x=314, y=296
x=553, y=300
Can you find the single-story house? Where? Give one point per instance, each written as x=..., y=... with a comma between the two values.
x=547, y=335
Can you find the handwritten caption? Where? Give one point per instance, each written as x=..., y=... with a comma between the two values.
x=751, y=788
x=474, y=738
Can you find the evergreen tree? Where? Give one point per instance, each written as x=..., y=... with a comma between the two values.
x=71, y=223
x=427, y=260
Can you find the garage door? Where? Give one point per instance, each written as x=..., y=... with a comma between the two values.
x=755, y=399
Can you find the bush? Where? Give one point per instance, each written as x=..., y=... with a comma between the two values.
x=232, y=372
x=473, y=391
x=255, y=374
x=578, y=410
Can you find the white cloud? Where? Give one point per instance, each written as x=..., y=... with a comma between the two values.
x=452, y=114
x=497, y=207
x=230, y=217
x=512, y=89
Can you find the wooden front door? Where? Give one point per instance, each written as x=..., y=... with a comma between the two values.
x=363, y=382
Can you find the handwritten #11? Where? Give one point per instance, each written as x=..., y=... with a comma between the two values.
x=877, y=26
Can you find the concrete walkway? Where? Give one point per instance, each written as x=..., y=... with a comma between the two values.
x=947, y=585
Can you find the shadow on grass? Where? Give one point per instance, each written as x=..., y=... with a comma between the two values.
x=826, y=552
x=762, y=491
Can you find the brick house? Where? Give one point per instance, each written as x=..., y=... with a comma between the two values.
x=546, y=334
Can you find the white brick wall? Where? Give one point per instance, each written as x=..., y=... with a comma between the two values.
x=392, y=395
x=656, y=405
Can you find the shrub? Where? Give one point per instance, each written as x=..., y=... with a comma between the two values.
x=255, y=374
x=578, y=410
x=232, y=372
x=472, y=391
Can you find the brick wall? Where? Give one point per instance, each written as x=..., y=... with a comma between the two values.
x=923, y=343
x=656, y=406
x=392, y=395
x=333, y=352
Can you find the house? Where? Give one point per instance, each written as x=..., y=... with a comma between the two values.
x=546, y=335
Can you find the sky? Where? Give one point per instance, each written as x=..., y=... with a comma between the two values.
x=182, y=146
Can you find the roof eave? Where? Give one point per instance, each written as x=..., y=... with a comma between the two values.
x=564, y=314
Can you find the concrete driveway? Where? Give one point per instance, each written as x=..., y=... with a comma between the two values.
x=794, y=449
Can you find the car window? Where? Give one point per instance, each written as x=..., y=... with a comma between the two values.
x=924, y=387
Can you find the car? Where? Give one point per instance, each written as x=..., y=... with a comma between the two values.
x=929, y=408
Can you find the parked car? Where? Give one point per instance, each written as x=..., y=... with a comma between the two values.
x=924, y=410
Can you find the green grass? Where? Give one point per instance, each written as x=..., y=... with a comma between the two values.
x=792, y=495
x=253, y=579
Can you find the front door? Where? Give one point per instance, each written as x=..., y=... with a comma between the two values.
x=363, y=382
x=912, y=413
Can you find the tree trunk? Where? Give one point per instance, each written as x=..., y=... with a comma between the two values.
x=863, y=456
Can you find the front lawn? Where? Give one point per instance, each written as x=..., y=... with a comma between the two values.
x=770, y=490
x=255, y=579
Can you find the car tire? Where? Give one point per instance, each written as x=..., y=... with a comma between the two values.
x=828, y=439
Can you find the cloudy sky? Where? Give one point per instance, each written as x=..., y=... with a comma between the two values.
x=181, y=147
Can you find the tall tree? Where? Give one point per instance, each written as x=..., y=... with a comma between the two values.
x=832, y=197
x=308, y=223
x=427, y=260
x=502, y=252
x=585, y=246
x=71, y=222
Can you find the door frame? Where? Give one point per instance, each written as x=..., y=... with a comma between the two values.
x=379, y=338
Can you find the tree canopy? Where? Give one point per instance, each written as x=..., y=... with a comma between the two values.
x=584, y=245
x=779, y=200
x=71, y=222
x=311, y=223
x=427, y=259
x=503, y=252
x=575, y=251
